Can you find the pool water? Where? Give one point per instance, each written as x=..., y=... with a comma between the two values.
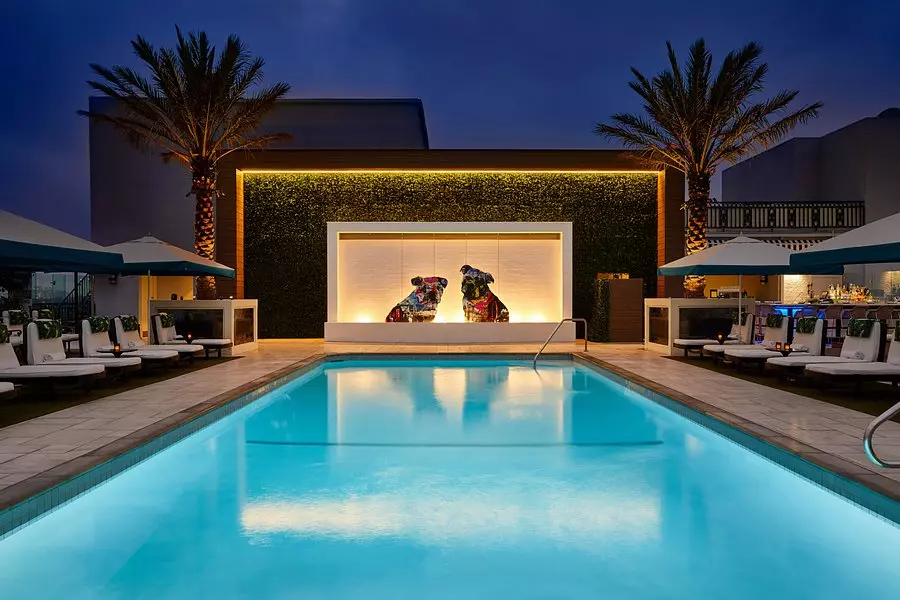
x=454, y=480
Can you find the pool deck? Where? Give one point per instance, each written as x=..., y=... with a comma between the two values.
x=43, y=452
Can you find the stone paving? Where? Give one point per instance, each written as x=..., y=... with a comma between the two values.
x=33, y=448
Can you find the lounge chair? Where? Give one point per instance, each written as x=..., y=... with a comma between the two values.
x=12, y=371
x=774, y=334
x=163, y=329
x=735, y=336
x=44, y=346
x=7, y=390
x=856, y=349
x=17, y=328
x=125, y=332
x=95, y=337
x=809, y=340
x=857, y=371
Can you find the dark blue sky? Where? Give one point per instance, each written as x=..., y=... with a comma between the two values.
x=492, y=73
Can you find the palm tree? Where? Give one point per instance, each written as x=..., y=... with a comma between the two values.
x=197, y=108
x=694, y=121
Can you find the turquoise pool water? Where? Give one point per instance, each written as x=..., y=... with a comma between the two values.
x=454, y=480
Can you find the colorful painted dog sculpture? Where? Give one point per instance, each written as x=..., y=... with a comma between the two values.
x=480, y=305
x=421, y=305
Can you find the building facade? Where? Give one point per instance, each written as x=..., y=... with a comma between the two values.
x=369, y=160
x=806, y=190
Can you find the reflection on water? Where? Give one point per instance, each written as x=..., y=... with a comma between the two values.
x=486, y=417
x=506, y=514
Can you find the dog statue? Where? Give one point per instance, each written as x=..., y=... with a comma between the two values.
x=480, y=305
x=421, y=305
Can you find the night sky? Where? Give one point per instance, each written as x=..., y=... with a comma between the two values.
x=491, y=73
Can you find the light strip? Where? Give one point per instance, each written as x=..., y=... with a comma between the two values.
x=536, y=171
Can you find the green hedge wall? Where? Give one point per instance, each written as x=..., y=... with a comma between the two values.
x=598, y=323
x=285, y=216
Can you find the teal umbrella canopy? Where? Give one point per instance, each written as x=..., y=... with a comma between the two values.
x=743, y=256
x=877, y=242
x=31, y=246
x=150, y=255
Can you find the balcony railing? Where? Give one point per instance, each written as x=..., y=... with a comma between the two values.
x=786, y=215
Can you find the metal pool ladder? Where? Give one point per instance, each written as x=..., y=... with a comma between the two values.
x=870, y=433
x=534, y=362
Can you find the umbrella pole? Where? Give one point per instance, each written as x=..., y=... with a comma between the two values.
x=148, y=306
x=740, y=299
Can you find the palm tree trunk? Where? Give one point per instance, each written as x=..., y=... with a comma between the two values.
x=698, y=210
x=204, y=189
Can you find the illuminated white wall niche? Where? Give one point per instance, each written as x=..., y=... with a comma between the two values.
x=370, y=266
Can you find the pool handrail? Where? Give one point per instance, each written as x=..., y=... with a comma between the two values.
x=870, y=433
x=573, y=319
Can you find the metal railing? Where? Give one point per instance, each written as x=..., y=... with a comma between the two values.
x=786, y=215
x=572, y=319
x=870, y=433
x=75, y=306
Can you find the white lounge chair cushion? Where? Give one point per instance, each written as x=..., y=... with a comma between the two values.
x=811, y=342
x=163, y=335
x=808, y=359
x=752, y=353
x=855, y=368
x=212, y=342
x=153, y=354
x=700, y=343
x=110, y=362
x=8, y=358
x=721, y=348
x=893, y=354
x=40, y=351
x=49, y=371
x=132, y=340
x=179, y=348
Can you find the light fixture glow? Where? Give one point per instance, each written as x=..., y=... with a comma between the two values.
x=413, y=171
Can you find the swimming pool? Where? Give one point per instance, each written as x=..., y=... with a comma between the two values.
x=450, y=479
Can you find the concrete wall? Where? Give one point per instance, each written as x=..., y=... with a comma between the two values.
x=789, y=171
x=133, y=193
x=855, y=163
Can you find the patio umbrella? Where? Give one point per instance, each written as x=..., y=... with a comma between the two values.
x=743, y=256
x=877, y=242
x=32, y=246
x=151, y=256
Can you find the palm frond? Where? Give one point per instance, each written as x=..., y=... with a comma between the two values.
x=695, y=119
x=194, y=102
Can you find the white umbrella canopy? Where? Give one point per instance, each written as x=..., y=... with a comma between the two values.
x=149, y=254
x=33, y=246
x=742, y=256
x=877, y=242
